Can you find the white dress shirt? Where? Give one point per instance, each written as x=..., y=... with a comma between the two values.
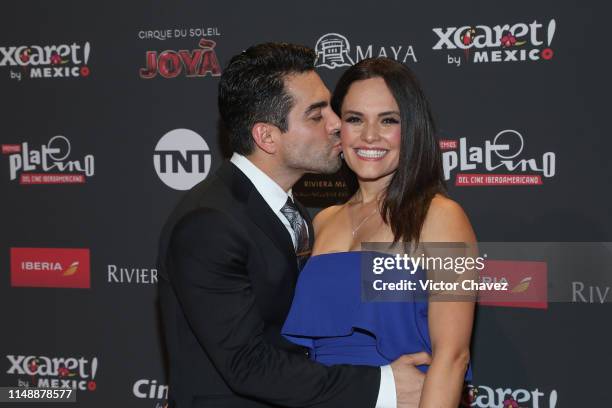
x=276, y=197
x=272, y=193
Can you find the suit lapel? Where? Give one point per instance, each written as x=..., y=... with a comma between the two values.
x=258, y=210
x=262, y=215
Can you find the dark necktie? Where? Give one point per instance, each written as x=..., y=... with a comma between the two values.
x=300, y=228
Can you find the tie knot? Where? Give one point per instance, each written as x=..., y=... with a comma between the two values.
x=289, y=207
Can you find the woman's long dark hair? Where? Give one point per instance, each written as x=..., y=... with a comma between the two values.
x=419, y=176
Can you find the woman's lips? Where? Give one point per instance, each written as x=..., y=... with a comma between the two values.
x=370, y=154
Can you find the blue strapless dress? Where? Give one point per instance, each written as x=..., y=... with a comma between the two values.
x=329, y=317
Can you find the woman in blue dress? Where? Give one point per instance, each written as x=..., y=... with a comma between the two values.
x=389, y=145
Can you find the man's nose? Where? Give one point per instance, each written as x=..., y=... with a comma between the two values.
x=333, y=123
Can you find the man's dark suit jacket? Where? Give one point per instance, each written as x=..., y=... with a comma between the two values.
x=227, y=276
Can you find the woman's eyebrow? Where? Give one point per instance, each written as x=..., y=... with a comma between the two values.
x=388, y=113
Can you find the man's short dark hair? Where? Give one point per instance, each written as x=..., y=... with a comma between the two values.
x=252, y=89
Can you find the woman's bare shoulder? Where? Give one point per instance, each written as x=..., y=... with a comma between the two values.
x=442, y=205
x=324, y=216
x=446, y=221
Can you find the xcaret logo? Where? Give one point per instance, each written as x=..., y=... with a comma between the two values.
x=334, y=51
x=500, y=158
x=78, y=373
x=481, y=396
x=48, y=61
x=50, y=267
x=182, y=159
x=196, y=63
x=49, y=165
x=501, y=43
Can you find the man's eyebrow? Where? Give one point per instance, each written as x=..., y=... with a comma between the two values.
x=317, y=105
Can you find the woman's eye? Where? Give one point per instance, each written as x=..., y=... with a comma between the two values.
x=352, y=119
x=390, y=121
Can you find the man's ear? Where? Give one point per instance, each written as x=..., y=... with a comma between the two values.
x=263, y=136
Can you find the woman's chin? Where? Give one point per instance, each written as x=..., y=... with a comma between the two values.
x=372, y=176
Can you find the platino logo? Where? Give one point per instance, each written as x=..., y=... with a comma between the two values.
x=501, y=159
x=49, y=165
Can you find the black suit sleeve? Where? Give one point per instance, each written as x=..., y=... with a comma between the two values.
x=207, y=259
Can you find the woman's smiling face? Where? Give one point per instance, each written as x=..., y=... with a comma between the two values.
x=371, y=129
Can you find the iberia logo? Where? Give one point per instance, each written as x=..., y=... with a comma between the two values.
x=525, y=284
x=50, y=267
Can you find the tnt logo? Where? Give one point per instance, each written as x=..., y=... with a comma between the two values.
x=182, y=159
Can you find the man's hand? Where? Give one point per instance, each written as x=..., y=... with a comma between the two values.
x=409, y=379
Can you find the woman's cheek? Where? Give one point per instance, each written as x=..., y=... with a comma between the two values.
x=345, y=133
x=395, y=136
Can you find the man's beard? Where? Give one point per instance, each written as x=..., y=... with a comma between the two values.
x=320, y=162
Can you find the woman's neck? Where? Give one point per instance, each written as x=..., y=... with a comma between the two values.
x=372, y=190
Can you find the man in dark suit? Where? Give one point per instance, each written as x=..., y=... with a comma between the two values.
x=231, y=251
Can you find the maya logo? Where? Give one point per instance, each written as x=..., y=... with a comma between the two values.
x=193, y=64
x=182, y=159
x=501, y=43
x=50, y=267
x=50, y=61
x=334, y=51
x=49, y=165
x=69, y=372
x=500, y=158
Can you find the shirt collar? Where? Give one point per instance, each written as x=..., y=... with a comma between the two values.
x=272, y=193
